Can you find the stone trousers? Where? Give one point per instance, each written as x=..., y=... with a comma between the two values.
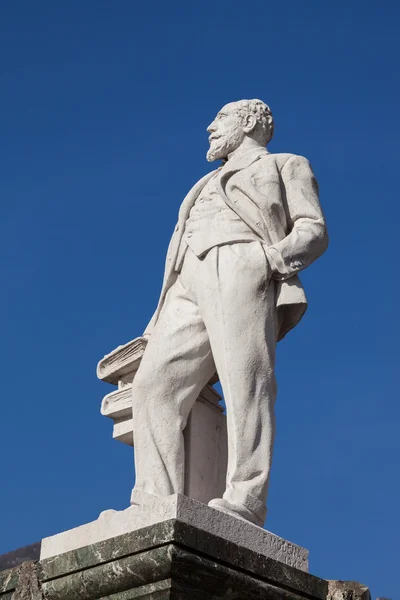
x=220, y=316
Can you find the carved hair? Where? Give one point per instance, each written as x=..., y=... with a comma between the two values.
x=263, y=114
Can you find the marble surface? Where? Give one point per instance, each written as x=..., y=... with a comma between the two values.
x=171, y=560
x=187, y=511
x=122, y=361
x=230, y=291
x=176, y=556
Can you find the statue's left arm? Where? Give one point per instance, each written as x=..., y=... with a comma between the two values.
x=307, y=237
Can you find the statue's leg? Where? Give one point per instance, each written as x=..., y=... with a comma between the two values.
x=176, y=365
x=237, y=303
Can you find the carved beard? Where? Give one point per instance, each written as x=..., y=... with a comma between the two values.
x=225, y=144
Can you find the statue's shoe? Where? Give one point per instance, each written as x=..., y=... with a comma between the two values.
x=107, y=513
x=236, y=510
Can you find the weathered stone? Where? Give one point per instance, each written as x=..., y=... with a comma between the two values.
x=191, y=575
x=150, y=554
x=103, y=580
x=169, y=561
x=347, y=590
x=21, y=583
x=186, y=511
x=122, y=361
x=28, y=586
x=8, y=582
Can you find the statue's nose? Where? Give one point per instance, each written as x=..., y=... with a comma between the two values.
x=211, y=128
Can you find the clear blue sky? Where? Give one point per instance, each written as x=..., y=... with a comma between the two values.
x=103, y=113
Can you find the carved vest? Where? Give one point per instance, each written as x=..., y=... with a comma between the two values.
x=211, y=223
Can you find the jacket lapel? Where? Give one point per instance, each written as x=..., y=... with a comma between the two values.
x=241, y=162
x=252, y=215
x=232, y=166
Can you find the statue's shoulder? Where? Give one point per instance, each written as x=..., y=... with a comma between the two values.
x=281, y=158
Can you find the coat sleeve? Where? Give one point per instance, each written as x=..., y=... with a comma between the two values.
x=307, y=237
x=148, y=331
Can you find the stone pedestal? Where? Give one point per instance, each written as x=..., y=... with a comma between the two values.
x=205, y=434
x=172, y=560
x=187, y=511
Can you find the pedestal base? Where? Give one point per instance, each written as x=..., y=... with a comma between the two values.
x=184, y=510
x=171, y=560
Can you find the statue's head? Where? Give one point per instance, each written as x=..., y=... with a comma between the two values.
x=236, y=121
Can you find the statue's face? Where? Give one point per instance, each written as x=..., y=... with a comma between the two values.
x=226, y=133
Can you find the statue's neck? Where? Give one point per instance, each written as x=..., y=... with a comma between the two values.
x=245, y=146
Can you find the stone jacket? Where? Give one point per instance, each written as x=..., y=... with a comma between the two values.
x=276, y=195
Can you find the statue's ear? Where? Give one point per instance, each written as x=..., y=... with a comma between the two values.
x=250, y=123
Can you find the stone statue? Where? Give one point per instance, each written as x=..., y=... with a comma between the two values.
x=230, y=292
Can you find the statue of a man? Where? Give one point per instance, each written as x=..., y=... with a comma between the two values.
x=230, y=292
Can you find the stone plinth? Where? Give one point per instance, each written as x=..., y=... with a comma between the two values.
x=186, y=511
x=173, y=560
x=168, y=561
x=205, y=434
